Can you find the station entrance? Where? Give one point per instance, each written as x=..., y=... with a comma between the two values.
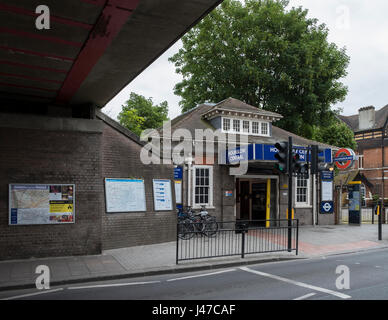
x=256, y=199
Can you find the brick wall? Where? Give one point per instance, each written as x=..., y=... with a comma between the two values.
x=41, y=157
x=121, y=159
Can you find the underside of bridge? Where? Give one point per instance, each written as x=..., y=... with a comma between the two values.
x=92, y=50
x=52, y=136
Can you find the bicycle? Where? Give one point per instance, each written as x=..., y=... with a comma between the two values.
x=190, y=223
x=209, y=222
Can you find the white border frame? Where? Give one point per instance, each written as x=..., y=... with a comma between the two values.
x=211, y=187
x=39, y=184
x=153, y=193
x=106, y=202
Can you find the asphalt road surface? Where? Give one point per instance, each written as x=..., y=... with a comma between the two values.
x=320, y=278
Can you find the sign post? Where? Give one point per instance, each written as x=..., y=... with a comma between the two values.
x=354, y=202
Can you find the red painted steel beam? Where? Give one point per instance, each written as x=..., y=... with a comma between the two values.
x=23, y=65
x=17, y=10
x=27, y=87
x=40, y=37
x=96, y=2
x=113, y=17
x=36, y=53
x=23, y=76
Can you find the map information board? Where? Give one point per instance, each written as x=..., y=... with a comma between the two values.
x=41, y=204
x=124, y=195
x=162, y=195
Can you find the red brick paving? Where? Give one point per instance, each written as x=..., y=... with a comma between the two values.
x=312, y=249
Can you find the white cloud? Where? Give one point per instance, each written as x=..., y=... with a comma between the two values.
x=366, y=40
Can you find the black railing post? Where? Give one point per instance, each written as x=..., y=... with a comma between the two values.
x=297, y=236
x=177, y=242
x=289, y=193
x=243, y=243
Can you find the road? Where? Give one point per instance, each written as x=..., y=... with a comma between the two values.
x=310, y=279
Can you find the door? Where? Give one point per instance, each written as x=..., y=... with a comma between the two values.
x=244, y=200
x=259, y=201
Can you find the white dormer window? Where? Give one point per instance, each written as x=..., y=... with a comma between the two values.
x=253, y=127
x=236, y=125
x=226, y=124
x=246, y=126
x=264, y=128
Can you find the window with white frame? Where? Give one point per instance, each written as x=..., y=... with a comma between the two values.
x=361, y=161
x=302, y=191
x=255, y=127
x=264, y=128
x=259, y=128
x=202, y=186
x=246, y=126
x=363, y=195
x=236, y=125
x=226, y=124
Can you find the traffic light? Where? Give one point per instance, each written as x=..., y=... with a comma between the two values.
x=295, y=164
x=282, y=156
x=317, y=162
x=299, y=168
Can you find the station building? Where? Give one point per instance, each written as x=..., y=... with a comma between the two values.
x=259, y=193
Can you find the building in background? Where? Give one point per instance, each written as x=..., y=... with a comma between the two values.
x=370, y=131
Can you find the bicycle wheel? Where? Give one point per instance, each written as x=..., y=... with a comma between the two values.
x=210, y=227
x=185, y=229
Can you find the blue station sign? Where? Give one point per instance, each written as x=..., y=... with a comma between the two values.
x=266, y=152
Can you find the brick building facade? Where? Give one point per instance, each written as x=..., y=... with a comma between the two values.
x=369, y=127
x=82, y=152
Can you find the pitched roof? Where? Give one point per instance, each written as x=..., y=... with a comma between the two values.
x=192, y=120
x=353, y=123
x=235, y=105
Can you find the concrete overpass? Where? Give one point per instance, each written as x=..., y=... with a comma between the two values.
x=93, y=49
x=56, y=146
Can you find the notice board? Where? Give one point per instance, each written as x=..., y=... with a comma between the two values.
x=41, y=204
x=162, y=194
x=124, y=195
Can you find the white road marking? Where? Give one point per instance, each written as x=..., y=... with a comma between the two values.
x=306, y=296
x=297, y=283
x=32, y=294
x=112, y=285
x=202, y=275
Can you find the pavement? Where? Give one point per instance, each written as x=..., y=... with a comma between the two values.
x=160, y=258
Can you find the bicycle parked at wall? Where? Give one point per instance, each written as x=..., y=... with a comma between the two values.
x=190, y=223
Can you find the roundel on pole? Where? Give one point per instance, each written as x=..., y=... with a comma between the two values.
x=344, y=158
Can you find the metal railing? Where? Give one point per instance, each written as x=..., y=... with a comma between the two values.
x=237, y=238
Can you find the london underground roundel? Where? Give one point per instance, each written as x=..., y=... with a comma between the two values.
x=344, y=158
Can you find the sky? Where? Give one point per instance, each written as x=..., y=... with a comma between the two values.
x=359, y=25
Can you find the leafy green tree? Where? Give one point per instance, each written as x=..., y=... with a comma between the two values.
x=336, y=134
x=265, y=55
x=140, y=113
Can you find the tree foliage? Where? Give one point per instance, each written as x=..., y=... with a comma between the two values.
x=140, y=113
x=337, y=134
x=265, y=55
